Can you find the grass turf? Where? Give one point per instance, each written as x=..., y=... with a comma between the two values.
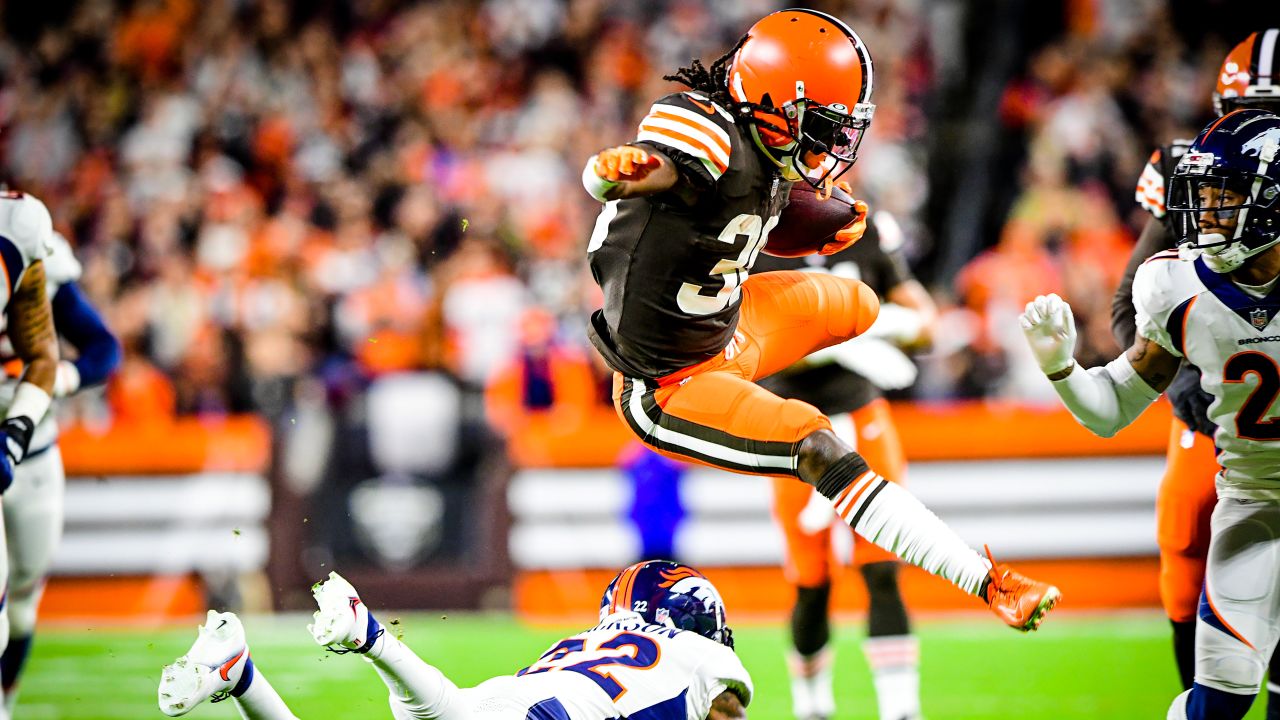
x=971, y=668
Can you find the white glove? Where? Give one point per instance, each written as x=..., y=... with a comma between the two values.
x=887, y=367
x=1051, y=332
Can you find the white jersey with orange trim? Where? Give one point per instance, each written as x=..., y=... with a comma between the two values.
x=624, y=667
x=1234, y=339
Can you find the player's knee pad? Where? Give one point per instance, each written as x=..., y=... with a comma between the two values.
x=810, y=622
x=21, y=607
x=854, y=313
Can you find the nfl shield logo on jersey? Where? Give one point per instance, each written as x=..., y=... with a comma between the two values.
x=1259, y=317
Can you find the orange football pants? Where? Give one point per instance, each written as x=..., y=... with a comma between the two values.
x=713, y=413
x=1184, y=505
x=809, y=552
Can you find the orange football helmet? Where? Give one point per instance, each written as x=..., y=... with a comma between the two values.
x=806, y=79
x=1250, y=75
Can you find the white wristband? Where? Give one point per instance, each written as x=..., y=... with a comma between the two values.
x=597, y=187
x=30, y=401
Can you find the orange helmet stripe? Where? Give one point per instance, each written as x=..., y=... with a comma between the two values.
x=625, y=585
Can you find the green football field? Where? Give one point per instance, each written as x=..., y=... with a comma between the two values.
x=1079, y=666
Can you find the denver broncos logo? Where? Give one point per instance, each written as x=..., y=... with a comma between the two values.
x=671, y=577
x=1255, y=146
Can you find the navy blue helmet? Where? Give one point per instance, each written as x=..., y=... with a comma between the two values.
x=669, y=593
x=1224, y=195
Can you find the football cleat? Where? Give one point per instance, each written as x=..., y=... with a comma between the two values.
x=210, y=670
x=342, y=623
x=1016, y=599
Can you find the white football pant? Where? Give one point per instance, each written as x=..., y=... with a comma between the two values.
x=1236, y=628
x=33, y=527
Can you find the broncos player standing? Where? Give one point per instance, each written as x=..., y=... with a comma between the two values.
x=847, y=387
x=661, y=651
x=1217, y=311
x=1247, y=78
x=688, y=206
x=33, y=506
x=26, y=235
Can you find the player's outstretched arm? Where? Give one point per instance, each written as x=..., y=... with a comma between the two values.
x=727, y=706
x=1103, y=399
x=628, y=171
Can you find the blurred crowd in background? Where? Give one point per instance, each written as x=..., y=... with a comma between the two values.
x=278, y=200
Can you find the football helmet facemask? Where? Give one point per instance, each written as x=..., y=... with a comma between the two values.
x=804, y=79
x=672, y=594
x=1224, y=196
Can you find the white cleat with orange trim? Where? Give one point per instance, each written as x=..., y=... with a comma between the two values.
x=342, y=623
x=210, y=670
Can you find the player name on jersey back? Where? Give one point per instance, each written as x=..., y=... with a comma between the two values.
x=628, y=668
x=1234, y=339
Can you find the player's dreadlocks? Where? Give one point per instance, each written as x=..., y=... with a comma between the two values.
x=714, y=83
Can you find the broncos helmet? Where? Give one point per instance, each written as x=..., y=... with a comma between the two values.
x=669, y=593
x=1224, y=195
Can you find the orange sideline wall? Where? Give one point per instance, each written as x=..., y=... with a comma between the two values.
x=184, y=446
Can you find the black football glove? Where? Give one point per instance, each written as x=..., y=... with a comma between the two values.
x=1190, y=401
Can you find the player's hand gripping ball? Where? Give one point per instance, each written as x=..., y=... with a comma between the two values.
x=812, y=223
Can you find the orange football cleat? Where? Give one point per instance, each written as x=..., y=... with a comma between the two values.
x=1018, y=600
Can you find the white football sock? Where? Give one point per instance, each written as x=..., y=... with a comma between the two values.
x=812, y=694
x=894, y=661
x=418, y=690
x=260, y=701
x=889, y=516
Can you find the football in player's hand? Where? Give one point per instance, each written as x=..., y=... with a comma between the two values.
x=809, y=222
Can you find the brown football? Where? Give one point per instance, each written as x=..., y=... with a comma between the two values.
x=807, y=222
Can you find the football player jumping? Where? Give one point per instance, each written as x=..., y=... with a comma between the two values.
x=687, y=207
x=33, y=506
x=1217, y=312
x=661, y=650
x=1247, y=78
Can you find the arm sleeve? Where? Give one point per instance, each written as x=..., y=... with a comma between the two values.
x=82, y=326
x=1154, y=238
x=693, y=132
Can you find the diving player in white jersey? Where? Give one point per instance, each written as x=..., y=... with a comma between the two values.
x=26, y=236
x=1216, y=306
x=33, y=506
x=661, y=651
